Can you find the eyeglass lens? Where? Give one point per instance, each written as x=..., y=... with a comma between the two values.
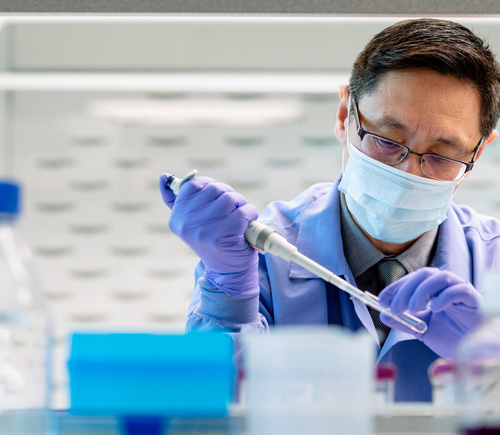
x=391, y=153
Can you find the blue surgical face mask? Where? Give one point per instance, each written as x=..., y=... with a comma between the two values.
x=389, y=204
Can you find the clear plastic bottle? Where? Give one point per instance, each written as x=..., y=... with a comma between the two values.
x=24, y=327
x=478, y=366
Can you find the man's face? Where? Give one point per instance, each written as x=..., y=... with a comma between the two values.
x=424, y=110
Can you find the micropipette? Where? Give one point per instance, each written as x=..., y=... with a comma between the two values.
x=173, y=183
x=265, y=240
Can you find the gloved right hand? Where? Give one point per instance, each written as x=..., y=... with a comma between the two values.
x=448, y=304
x=211, y=218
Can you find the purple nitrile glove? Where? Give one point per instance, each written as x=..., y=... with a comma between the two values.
x=211, y=218
x=452, y=313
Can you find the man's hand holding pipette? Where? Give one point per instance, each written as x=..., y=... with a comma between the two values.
x=453, y=309
x=211, y=218
x=217, y=223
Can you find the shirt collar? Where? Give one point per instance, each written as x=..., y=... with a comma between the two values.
x=361, y=254
x=420, y=253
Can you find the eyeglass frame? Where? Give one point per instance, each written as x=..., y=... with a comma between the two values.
x=362, y=132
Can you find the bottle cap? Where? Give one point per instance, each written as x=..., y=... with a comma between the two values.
x=386, y=372
x=9, y=197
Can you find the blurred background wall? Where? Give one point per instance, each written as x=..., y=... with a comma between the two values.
x=94, y=108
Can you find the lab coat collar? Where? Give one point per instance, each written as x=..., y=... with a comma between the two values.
x=319, y=236
x=452, y=252
x=393, y=338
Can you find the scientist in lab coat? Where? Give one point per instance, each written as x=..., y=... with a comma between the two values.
x=421, y=105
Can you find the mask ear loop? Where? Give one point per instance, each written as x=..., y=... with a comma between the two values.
x=347, y=133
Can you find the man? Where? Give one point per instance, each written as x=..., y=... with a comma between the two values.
x=422, y=104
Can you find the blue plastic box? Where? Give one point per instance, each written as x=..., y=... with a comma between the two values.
x=189, y=375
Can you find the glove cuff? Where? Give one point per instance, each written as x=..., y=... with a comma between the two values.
x=241, y=285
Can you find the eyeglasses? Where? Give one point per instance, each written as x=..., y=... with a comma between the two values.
x=391, y=153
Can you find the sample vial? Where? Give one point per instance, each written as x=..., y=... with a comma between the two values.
x=442, y=375
x=385, y=378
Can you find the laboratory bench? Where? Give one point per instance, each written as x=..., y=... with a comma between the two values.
x=414, y=419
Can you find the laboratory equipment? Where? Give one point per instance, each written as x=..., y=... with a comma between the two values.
x=296, y=383
x=385, y=378
x=478, y=365
x=141, y=375
x=174, y=183
x=12, y=382
x=264, y=239
x=442, y=374
x=24, y=330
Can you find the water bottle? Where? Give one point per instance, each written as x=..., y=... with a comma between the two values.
x=24, y=328
x=478, y=366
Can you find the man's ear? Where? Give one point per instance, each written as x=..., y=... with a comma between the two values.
x=341, y=124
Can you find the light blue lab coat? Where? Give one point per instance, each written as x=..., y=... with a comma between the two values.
x=468, y=245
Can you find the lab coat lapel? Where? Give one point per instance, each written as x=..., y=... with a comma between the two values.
x=393, y=338
x=452, y=251
x=360, y=310
x=319, y=236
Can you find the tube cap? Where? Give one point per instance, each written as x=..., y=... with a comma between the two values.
x=385, y=372
x=441, y=366
x=9, y=197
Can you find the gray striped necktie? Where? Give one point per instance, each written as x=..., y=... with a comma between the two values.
x=387, y=271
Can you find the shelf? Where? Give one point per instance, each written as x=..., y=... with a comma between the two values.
x=178, y=82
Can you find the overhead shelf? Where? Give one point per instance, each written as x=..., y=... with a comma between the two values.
x=185, y=82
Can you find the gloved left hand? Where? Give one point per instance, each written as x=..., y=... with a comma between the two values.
x=448, y=304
